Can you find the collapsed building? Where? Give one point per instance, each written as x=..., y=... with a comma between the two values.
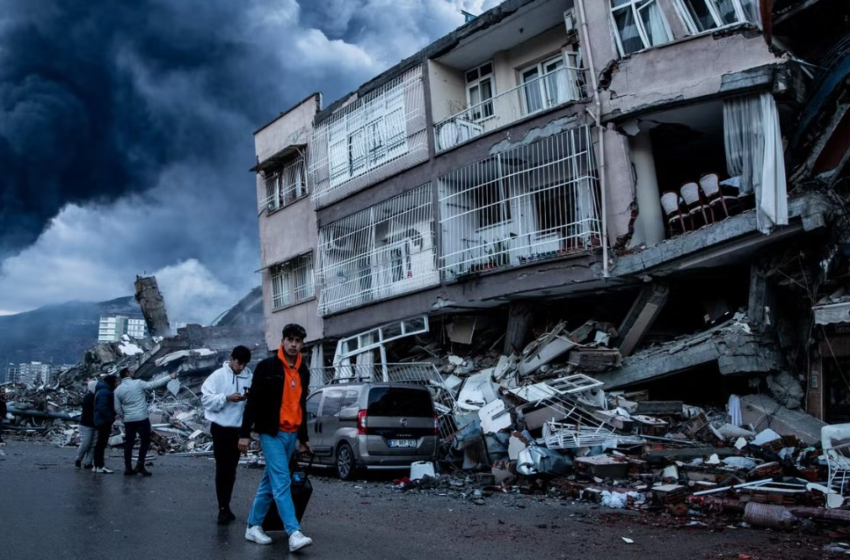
x=672, y=172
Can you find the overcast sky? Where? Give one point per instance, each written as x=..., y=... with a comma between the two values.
x=126, y=133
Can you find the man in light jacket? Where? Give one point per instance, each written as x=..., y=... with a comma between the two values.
x=131, y=403
x=223, y=395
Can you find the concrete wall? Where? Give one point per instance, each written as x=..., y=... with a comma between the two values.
x=293, y=127
x=291, y=231
x=688, y=68
x=305, y=313
x=448, y=90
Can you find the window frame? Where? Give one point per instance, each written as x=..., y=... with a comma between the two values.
x=691, y=25
x=542, y=83
x=633, y=6
x=483, y=105
x=285, y=286
x=277, y=189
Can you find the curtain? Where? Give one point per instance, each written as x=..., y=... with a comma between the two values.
x=754, y=152
x=653, y=23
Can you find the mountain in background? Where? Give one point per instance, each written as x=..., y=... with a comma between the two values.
x=58, y=334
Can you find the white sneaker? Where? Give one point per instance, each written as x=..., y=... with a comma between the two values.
x=255, y=533
x=297, y=541
x=103, y=470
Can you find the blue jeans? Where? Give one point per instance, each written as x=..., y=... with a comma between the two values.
x=276, y=481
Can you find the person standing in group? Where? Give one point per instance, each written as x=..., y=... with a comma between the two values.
x=3, y=412
x=87, y=431
x=223, y=396
x=276, y=410
x=131, y=403
x=104, y=416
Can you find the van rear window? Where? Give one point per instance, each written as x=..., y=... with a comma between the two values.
x=397, y=401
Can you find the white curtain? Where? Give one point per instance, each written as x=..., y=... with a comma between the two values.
x=653, y=23
x=754, y=152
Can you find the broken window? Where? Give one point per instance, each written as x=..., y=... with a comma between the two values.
x=382, y=251
x=292, y=281
x=638, y=24
x=285, y=185
x=704, y=15
x=532, y=202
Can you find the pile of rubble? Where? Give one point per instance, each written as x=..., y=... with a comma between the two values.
x=538, y=422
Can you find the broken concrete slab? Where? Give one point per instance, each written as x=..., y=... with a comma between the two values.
x=735, y=352
x=762, y=411
x=641, y=316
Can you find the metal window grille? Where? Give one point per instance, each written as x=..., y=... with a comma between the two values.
x=349, y=148
x=292, y=281
x=382, y=251
x=284, y=185
x=554, y=83
x=533, y=202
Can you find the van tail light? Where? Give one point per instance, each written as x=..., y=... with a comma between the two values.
x=361, y=422
x=436, y=425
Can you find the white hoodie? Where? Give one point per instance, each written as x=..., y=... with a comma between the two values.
x=221, y=383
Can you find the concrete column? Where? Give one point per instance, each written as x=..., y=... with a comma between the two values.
x=649, y=226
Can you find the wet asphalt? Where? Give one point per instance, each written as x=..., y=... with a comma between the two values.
x=50, y=510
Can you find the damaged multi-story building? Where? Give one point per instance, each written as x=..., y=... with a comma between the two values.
x=676, y=168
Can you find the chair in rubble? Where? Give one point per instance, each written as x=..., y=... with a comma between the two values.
x=718, y=203
x=673, y=213
x=698, y=212
x=835, y=440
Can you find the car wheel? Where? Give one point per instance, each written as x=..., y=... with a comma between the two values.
x=345, y=464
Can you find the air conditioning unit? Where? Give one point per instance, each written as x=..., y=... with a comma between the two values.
x=570, y=20
x=271, y=206
x=454, y=132
x=340, y=242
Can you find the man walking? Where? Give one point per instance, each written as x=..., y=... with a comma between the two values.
x=104, y=416
x=276, y=410
x=223, y=397
x=131, y=402
x=87, y=431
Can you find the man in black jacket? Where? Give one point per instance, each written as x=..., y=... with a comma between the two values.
x=276, y=411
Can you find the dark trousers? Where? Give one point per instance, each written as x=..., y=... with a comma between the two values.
x=226, y=453
x=143, y=428
x=1, y=430
x=103, y=433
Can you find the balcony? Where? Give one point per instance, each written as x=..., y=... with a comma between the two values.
x=559, y=81
x=534, y=202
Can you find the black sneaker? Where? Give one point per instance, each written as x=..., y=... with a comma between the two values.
x=78, y=463
x=140, y=469
x=88, y=466
x=225, y=516
x=129, y=472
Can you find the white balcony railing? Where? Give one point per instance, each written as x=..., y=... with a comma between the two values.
x=533, y=202
x=549, y=90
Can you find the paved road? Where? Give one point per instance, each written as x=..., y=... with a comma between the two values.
x=50, y=510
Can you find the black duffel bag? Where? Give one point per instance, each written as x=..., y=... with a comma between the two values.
x=301, y=490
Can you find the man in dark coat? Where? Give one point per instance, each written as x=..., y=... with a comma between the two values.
x=104, y=416
x=276, y=410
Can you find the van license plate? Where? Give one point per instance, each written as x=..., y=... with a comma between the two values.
x=402, y=443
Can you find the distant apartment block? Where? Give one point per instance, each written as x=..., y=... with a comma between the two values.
x=111, y=329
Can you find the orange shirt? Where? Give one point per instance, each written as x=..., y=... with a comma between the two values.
x=290, y=404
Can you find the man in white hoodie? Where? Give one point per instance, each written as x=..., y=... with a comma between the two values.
x=131, y=403
x=223, y=395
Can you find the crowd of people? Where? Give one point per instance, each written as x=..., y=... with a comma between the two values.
x=270, y=402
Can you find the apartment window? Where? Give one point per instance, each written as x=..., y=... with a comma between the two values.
x=547, y=84
x=704, y=15
x=492, y=204
x=368, y=137
x=292, y=281
x=479, y=91
x=285, y=185
x=382, y=251
x=639, y=24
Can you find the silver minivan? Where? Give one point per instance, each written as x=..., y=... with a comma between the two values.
x=370, y=425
